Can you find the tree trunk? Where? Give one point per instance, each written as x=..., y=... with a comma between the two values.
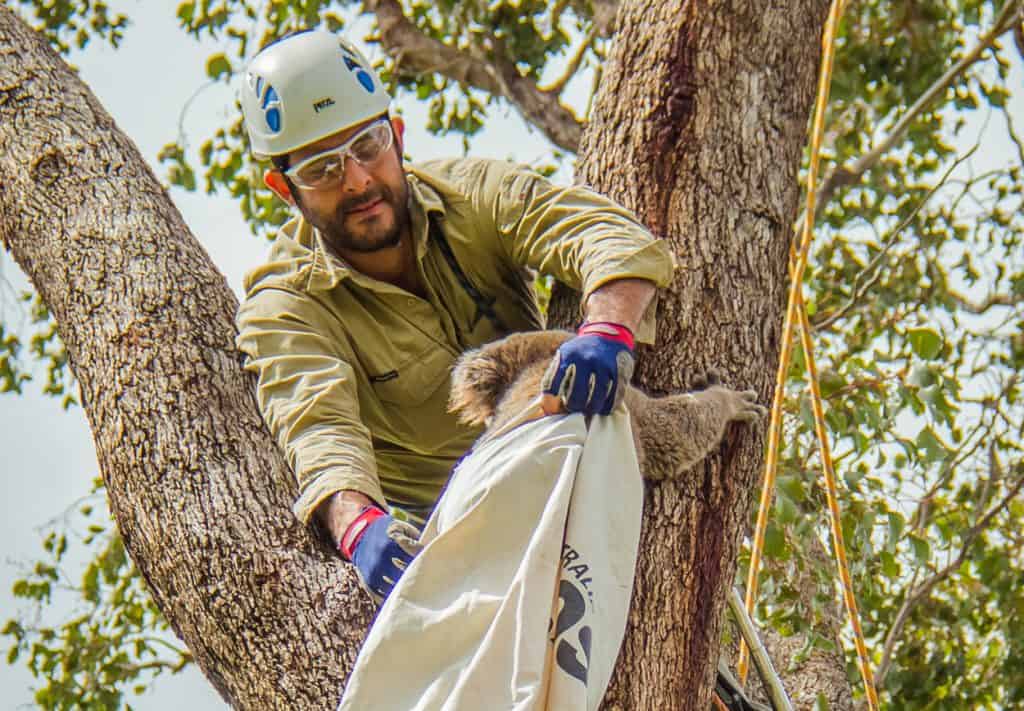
x=698, y=127
x=819, y=671
x=200, y=493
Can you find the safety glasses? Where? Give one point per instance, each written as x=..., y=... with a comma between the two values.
x=328, y=168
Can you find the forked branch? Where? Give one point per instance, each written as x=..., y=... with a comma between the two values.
x=416, y=53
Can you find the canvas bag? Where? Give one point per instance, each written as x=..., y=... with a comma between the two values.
x=520, y=598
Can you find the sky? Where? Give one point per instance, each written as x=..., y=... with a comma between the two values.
x=49, y=461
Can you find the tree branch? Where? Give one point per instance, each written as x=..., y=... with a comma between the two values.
x=1006, y=113
x=563, y=129
x=921, y=591
x=842, y=176
x=415, y=53
x=922, y=514
x=1018, y=38
x=870, y=275
x=573, y=66
x=980, y=307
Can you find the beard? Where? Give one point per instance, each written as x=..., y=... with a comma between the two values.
x=348, y=231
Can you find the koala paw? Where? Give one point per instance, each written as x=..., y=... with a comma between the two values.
x=743, y=405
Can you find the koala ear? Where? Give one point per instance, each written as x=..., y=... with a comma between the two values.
x=478, y=382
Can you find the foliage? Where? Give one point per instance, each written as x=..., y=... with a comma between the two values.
x=74, y=23
x=915, y=294
x=113, y=639
x=915, y=300
x=44, y=347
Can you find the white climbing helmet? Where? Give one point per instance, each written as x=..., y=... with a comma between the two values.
x=306, y=87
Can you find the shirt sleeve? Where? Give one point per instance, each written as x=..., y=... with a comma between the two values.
x=578, y=236
x=306, y=391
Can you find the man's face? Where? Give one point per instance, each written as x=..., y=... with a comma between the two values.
x=366, y=210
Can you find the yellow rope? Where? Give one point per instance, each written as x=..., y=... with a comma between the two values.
x=833, y=507
x=796, y=309
x=796, y=278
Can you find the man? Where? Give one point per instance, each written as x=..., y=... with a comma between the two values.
x=389, y=274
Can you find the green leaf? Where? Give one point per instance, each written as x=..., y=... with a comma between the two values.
x=792, y=486
x=775, y=543
x=930, y=447
x=830, y=381
x=185, y=12
x=922, y=376
x=925, y=342
x=90, y=583
x=786, y=511
x=896, y=524
x=922, y=550
x=890, y=566
x=217, y=66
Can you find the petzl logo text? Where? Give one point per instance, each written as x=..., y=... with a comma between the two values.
x=323, y=104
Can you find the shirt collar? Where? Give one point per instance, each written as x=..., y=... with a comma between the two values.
x=327, y=269
x=423, y=202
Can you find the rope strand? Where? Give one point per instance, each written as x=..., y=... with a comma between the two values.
x=832, y=492
x=796, y=309
x=796, y=278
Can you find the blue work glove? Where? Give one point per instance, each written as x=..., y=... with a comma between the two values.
x=590, y=372
x=381, y=547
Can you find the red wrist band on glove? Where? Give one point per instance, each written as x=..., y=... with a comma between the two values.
x=609, y=330
x=356, y=529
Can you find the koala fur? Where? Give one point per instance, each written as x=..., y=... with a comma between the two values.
x=493, y=384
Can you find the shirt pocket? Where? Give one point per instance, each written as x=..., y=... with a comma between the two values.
x=414, y=380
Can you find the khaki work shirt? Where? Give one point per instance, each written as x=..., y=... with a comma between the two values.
x=353, y=373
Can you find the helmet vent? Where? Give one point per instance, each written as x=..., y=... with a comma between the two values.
x=269, y=101
x=353, y=65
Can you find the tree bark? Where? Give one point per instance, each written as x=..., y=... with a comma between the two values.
x=200, y=493
x=819, y=671
x=698, y=127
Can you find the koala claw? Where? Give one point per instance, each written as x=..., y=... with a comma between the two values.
x=749, y=409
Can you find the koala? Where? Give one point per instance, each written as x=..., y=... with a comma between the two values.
x=493, y=384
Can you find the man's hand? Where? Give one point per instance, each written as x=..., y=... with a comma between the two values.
x=380, y=547
x=590, y=373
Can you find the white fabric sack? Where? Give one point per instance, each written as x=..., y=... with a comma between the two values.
x=520, y=598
